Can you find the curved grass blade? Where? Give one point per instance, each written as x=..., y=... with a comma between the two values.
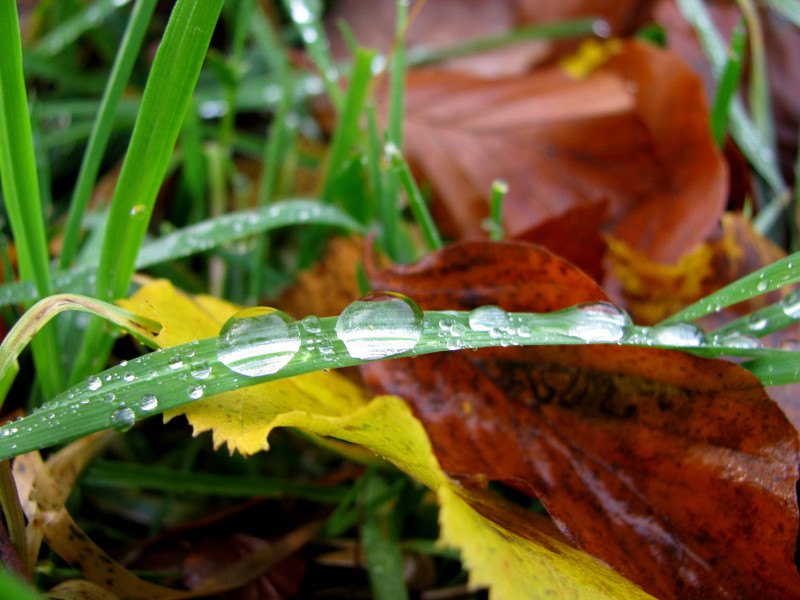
x=172, y=377
x=200, y=237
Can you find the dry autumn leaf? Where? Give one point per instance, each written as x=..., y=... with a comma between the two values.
x=634, y=133
x=678, y=471
x=506, y=551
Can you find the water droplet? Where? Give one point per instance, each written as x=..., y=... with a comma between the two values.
x=458, y=329
x=678, y=334
x=791, y=304
x=129, y=376
x=762, y=286
x=201, y=371
x=757, y=322
x=196, y=392
x=380, y=324
x=109, y=397
x=738, y=340
x=93, y=383
x=175, y=362
x=148, y=402
x=123, y=419
x=258, y=341
x=599, y=322
x=488, y=318
x=311, y=324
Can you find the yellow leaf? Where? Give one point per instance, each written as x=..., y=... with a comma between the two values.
x=590, y=56
x=236, y=418
x=523, y=562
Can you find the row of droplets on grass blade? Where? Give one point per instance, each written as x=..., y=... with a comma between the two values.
x=263, y=344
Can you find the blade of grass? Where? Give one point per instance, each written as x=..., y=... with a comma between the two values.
x=85, y=407
x=727, y=86
x=120, y=474
x=420, y=55
x=102, y=126
x=20, y=186
x=71, y=29
x=499, y=191
x=166, y=98
x=244, y=11
x=779, y=274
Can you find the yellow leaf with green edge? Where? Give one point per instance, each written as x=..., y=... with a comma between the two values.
x=503, y=547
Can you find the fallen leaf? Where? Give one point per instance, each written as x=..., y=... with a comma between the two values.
x=634, y=133
x=678, y=471
x=517, y=564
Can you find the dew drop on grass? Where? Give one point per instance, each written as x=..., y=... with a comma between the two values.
x=791, y=304
x=129, y=376
x=596, y=322
x=175, y=362
x=258, y=341
x=738, y=340
x=122, y=419
x=93, y=383
x=311, y=324
x=678, y=334
x=380, y=324
x=757, y=322
x=196, y=392
x=201, y=371
x=148, y=402
x=488, y=318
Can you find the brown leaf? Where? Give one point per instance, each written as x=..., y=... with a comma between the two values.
x=678, y=471
x=634, y=133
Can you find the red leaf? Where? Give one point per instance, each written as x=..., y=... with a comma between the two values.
x=678, y=471
x=634, y=133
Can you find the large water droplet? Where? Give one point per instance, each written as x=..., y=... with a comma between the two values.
x=123, y=419
x=258, y=341
x=93, y=383
x=791, y=305
x=488, y=318
x=148, y=402
x=678, y=334
x=380, y=324
x=757, y=322
x=597, y=322
x=738, y=340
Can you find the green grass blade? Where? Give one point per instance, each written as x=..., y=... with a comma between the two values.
x=727, y=86
x=120, y=474
x=20, y=185
x=758, y=152
x=779, y=274
x=166, y=98
x=103, y=125
x=71, y=29
x=192, y=371
x=14, y=587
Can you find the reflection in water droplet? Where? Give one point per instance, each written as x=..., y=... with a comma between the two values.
x=201, y=371
x=93, y=383
x=488, y=318
x=380, y=324
x=678, y=334
x=599, y=322
x=148, y=402
x=258, y=341
x=757, y=322
x=791, y=304
x=123, y=419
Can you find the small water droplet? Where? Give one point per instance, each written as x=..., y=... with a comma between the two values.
x=738, y=340
x=175, y=362
x=258, y=341
x=678, y=334
x=599, y=322
x=311, y=324
x=122, y=419
x=488, y=318
x=791, y=304
x=458, y=329
x=196, y=392
x=148, y=402
x=129, y=376
x=762, y=286
x=109, y=397
x=201, y=371
x=757, y=322
x=93, y=383
x=380, y=324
